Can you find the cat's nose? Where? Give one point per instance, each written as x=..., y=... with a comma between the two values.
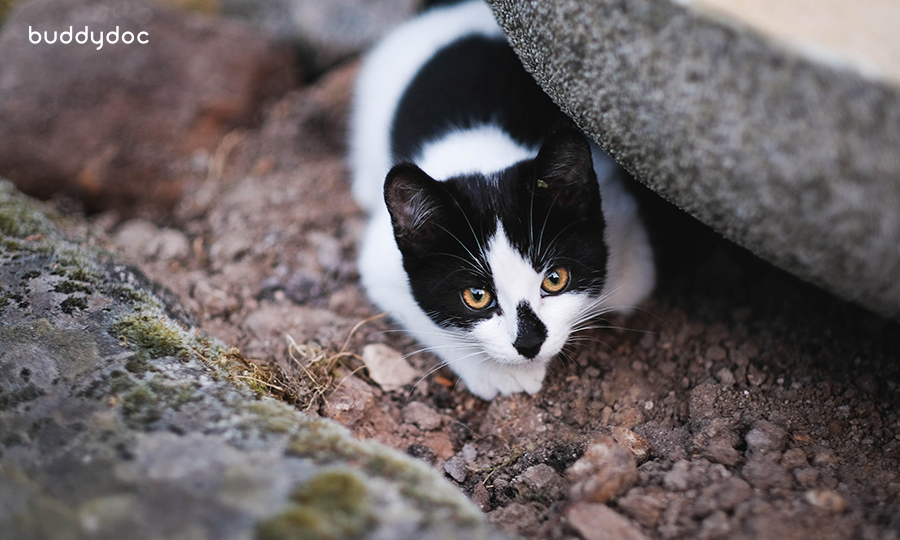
x=531, y=331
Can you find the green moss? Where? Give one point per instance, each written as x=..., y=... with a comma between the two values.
x=271, y=418
x=29, y=392
x=70, y=287
x=141, y=408
x=20, y=216
x=143, y=403
x=332, y=505
x=75, y=265
x=70, y=304
x=45, y=517
x=153, y=332
x=174, y=395
x=326, y=443
x=138, y=363
x=119, y=382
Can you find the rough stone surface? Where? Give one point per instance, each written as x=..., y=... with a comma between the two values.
x=793, y=159
x=118, y=127
x=118, y=422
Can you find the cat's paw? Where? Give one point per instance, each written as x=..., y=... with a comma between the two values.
x=491, y=379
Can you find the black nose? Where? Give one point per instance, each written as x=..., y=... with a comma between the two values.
x=531, y=332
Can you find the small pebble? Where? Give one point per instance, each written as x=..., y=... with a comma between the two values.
x=456, y=468
x=469, y=452
x=725, y=376
x=827, y=500
x=646, y=509
x=825, y=456
x=421, y=415
x=638, y=445
x=795, y=458
x=716, y=353
x=600, y=522
x=765, y=438
x=677, y=477
x=764, y=474
x=716, y=525
x=387, y=367
x=481, y=497
x=606, y=470
x=538, y=477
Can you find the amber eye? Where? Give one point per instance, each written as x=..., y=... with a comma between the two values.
x=555, y=281
x=477, y=298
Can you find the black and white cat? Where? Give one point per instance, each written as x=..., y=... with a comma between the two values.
x=496, y=228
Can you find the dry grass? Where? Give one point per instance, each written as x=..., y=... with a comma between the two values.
x=306, y=380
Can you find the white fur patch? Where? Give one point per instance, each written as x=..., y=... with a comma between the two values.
x=387, y=71
x=485, y=149
x=631, y=270
x=516, y=281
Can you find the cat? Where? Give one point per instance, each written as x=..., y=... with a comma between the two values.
x=496, y=229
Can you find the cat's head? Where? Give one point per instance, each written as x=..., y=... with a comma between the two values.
x=511, y=261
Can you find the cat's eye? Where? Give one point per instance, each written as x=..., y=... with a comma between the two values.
x=477, y=298
x=555, y=280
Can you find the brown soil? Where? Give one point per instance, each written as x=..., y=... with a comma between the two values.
x=770, y=407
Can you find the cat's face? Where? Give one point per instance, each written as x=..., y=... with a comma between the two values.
x=511, y=262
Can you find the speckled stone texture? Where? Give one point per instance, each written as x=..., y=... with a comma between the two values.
x=795, y=160
x=113, y=426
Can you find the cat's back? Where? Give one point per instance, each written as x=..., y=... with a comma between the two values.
x=386, y=74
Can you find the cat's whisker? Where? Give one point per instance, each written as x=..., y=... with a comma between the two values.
x=481, y=250
x=446, y=363
x=478, y=260
x=436, y=348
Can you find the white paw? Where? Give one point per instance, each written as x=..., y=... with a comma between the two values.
x=488, y=379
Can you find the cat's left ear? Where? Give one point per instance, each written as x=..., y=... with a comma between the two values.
x=564, y=170
x=415, y=202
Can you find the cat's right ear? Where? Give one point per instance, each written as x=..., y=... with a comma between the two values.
x=415, y=202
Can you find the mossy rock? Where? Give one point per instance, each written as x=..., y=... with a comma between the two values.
x=119, y=421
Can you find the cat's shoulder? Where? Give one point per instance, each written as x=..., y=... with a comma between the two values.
x=386, y=72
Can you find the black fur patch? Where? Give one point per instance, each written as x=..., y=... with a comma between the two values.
x=471, y=82
x=549, y=206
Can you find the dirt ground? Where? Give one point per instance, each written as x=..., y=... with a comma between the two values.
x=769, y=407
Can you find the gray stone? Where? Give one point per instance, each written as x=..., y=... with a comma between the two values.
x=765, y=438
x=456, y=468
x=540, y=480
x=423, y=416
x=793, y=158
x=328, y=32
x=118, y=421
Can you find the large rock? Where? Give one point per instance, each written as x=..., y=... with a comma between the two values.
x=791, y=153
x=116, y=124
x=116, y=422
